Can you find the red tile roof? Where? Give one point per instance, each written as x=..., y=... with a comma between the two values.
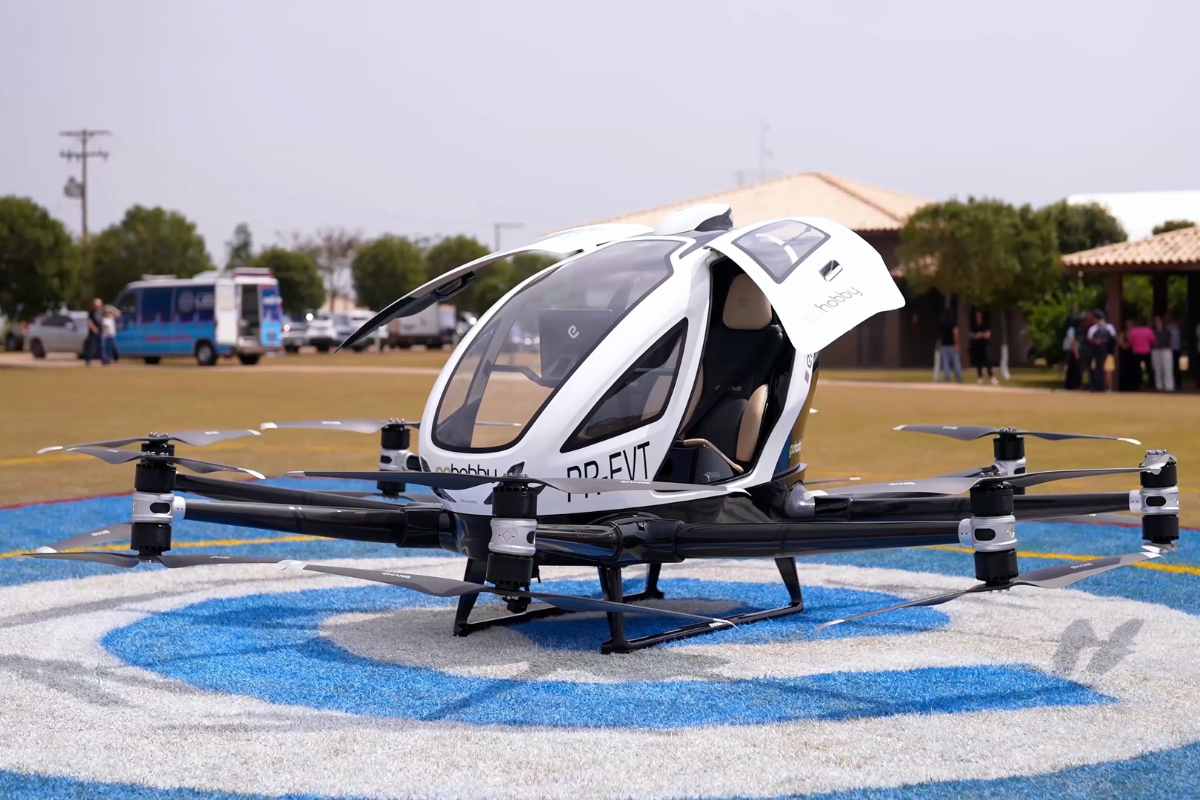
x=1181, y=247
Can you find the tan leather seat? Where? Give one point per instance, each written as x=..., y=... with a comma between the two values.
x=729, y=401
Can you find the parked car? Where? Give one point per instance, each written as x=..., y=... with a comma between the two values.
x=64, y=332
x=321, y=333
x=295, y=334
x=13, y=334
x=351, y=321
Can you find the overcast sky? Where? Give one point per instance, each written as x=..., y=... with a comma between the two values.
x=438, y=118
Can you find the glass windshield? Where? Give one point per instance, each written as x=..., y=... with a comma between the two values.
x=537, y=340
x=779, y=247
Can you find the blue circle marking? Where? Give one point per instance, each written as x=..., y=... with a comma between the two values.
x=269, y=646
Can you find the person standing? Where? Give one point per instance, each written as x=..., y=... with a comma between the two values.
x=95, y=323
x=1141, y=343
x=108, y=336
x=1172, y=326
x=980, y=347
x=1103, y=340
x=948, y=347
x=1070, y=347
x=1164, y=375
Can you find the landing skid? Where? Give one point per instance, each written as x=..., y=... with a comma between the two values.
x=611, y=584
x=475, y=574
x=610, y=581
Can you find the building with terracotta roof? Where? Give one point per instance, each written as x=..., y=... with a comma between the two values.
x=1172, y=253
x=900, y=338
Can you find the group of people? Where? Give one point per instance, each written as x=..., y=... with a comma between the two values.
x=1094, y=345
x=102, y=333
x=979, y=348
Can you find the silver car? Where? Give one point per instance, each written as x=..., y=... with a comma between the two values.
x=58, y=333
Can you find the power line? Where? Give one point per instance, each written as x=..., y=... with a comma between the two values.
x=80, y=189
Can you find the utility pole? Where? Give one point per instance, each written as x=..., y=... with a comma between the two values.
x=763, y=152
x=499, y=226
x=80, y=189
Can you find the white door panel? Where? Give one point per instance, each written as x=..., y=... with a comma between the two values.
x=226, y=313
x=822, y=278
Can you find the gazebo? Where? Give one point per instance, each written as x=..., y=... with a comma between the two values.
x=1172, y=253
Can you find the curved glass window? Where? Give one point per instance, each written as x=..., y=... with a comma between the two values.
x=639, y=397
x=779, y=247
x=537, y=340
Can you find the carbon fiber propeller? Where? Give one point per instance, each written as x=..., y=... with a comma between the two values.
x=449, y=587
x=112, y=455
x=194, y=438
x=1047, y=578
x=363, y=425
x=128, y=560
x=110, y=533
x=949, y=484
x=966, y=433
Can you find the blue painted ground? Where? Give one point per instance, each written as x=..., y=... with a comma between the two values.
x=223, y=651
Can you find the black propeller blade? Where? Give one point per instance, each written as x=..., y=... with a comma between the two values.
x=363, y=425
x=194, y=438
x=457, y=481
x=966, y=433
x=831, y=480
x=947, y=485
x=1047, y=578
x=128, y=560
x=112, y=455
x=111, y=533
x=449, y=587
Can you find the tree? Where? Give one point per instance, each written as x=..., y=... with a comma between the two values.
x=451, y=253
x=332, y=250
x=454, y=252
x=982, y=251
x=39, y=262
x=1046, y=319
x=985, y=252
x=300, y=285
x=526, y=265
x=147, y=241
x=385, y=270
x=1172, y=225
x=240, y=249
x=1083, y=226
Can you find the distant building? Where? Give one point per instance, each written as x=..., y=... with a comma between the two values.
x=900, y=338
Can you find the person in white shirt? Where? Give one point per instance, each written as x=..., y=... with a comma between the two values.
x=108, y=336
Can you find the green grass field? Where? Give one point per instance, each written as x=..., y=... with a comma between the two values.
x=851, y=434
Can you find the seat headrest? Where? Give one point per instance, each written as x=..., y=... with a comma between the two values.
x=746, y=307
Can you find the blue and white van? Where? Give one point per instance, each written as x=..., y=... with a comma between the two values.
x=213, y=314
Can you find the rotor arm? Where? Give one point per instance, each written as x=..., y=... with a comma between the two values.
x=897, y=509
x=258, y=493
x=404, y=526
x=782, y=539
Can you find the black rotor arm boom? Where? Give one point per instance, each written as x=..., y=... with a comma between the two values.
x=1026, y=506
x=779, y=539
x=661, y=541
x=258, y=493
x=404, y=526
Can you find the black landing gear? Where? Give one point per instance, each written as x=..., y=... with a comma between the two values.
x=476, y=573
x=611, y=583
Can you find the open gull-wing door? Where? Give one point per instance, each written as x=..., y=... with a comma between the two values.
x=821, y=277
x=564, y=243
